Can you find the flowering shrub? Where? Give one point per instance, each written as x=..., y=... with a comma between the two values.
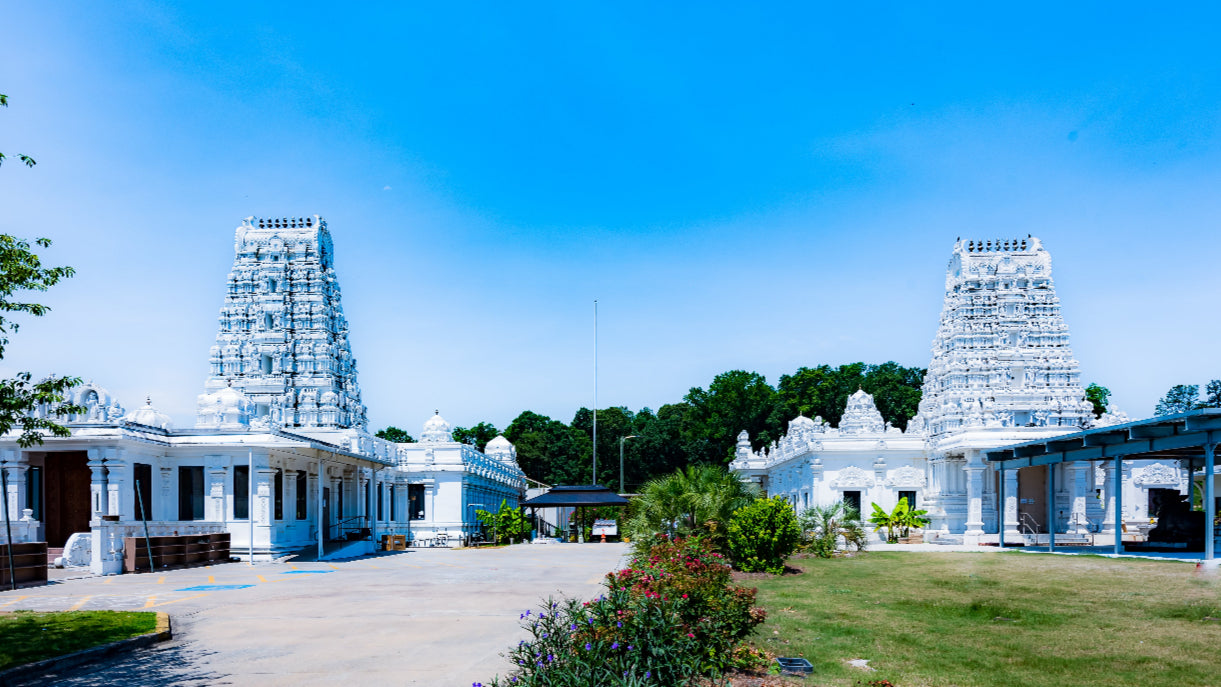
x=762, y=535
x=665, y=620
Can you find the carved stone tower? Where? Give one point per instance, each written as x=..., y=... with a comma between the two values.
x=1001, y=357
x=283, y=339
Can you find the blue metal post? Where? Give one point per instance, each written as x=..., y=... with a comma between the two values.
x=1118, y=487
x=1210, y=503
x=1051, y=508
x=1000, y=506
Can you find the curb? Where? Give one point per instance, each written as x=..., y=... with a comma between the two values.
x=161, y=633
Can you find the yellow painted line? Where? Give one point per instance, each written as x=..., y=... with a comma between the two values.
x=9, y=603
x=211, y=579
x=108, y=580
x=82, y=602
x=333, y=565
x=150, y=603
x=261, y=578
x=161, y=580
x=293, y=567
x=186, y=598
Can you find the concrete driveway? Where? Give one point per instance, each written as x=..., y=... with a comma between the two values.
x=422, y=617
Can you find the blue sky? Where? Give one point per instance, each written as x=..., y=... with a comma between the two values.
x=739, y=187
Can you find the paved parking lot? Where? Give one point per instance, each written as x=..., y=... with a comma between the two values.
x=421, y=617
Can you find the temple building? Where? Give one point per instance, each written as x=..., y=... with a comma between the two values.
x=280, y=456
x=1002, y=372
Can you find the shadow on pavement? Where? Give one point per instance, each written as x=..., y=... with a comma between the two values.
x=167, y=665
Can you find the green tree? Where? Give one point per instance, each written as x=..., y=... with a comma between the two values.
x=1180, y=399
x=477, y=436
x=823, y=391
x=696, y=500
x=824, y=526
x=736, y=400
x=398, y=436
x=1100, y=396
x=613, y=423
x=762, y=535
x=549, y=450
x=29, y=161
x=21, y=270
x=1212, y=394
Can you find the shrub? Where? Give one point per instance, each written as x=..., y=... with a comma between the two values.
x=762, y=535
x=823, y=526
x=508, y=523
x=669, y=618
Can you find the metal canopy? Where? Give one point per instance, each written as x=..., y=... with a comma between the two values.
x=576, y=496
x=1171, y=437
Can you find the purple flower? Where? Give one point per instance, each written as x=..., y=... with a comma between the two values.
x=630, y=647
x=588, y=646
x=619, y=624
x=648, y=673
x=615, y=645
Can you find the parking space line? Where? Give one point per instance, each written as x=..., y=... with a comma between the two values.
x=333, y=565
x=7, y=603
x=161, y=580
x=150, y=602
x=82, y=602
x=187, y=598
x=261, y=578
x=211, y=579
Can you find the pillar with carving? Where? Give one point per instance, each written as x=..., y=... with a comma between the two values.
x=120, y=495
x=17, y=465
x=1078, y=477
x=975, y=498
x=98, y=505
x=1011, y=506
x=218, y=474
x=1108, y=518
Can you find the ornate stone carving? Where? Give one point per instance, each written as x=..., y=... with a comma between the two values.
x=282, y=338
x=1001, y=356
x=861, y=416
x=852, y=477
x=1158, y=475
x=906, y=476
x=436, y=429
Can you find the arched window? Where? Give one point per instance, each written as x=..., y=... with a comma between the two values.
x=265, y=364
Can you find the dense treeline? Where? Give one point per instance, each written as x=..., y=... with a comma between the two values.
x=700, y=430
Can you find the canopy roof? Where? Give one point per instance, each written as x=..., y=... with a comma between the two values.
x=587, y=495
x=1175, y=437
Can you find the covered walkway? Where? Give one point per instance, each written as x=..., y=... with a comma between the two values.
x=1189, y=438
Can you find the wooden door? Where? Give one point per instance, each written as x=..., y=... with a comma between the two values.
x=66, y=495
x=1032, y=499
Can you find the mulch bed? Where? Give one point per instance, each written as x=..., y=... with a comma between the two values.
x=739, y=576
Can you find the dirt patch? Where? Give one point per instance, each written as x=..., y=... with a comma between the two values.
x=739, y=576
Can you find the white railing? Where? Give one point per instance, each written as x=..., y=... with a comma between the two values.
x=24, y=530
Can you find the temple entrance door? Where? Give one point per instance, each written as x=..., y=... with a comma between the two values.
x=326, y=513
x=66, y=495
x=1032, y=499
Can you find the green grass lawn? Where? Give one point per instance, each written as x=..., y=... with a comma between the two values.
x=997, y=619
x=26, y=636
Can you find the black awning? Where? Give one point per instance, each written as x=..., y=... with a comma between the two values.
x=589, y=495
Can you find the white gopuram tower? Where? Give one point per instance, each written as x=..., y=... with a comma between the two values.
x=282, y=342
x=1001, y=357
x=1002, y=372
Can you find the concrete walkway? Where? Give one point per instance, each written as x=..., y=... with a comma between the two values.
x=421, y=617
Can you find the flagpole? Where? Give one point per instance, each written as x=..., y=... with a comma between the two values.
x=595, y=473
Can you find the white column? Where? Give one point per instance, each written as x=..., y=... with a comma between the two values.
x=97, y=485
x=1011, y=505
x=17, y=471
x=261, y=510
x=1108, y=498
x=1078, y=474
x=321, y=516
x=215, y=508
x=120, y=499
x=975, y=510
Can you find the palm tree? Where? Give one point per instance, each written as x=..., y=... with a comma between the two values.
x=698, y=499
x=822, y=526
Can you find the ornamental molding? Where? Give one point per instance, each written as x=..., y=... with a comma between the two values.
x=852, y=477
x=906, y=476
x=1158, y=474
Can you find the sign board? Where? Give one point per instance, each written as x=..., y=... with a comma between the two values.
x=608, y=527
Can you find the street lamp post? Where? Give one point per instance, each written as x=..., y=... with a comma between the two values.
x=621, y=440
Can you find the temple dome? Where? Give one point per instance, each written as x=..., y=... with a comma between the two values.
x=861, y=416
x=436, y=429
x=801, y=422
x=500, y=443
x=149, y=416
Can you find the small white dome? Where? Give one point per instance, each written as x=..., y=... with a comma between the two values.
x=801, y=422
x=499, y=443
x=149, y=416
x=436, y=429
